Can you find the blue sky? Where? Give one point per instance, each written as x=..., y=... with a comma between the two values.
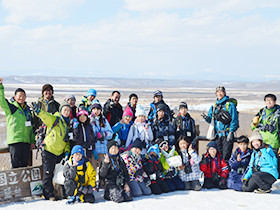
x=213, y=40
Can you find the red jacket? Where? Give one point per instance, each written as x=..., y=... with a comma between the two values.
x=211, y=165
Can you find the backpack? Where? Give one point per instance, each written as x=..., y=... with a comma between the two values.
x=41, y=135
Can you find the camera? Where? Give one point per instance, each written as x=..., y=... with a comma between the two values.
x=188, y=167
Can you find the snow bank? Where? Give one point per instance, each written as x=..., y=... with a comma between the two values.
x=205, y=199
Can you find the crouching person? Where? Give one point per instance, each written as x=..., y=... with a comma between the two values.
x=139, y=181
x=153, y=167
x=113, y=171
x=214, y=167
x=262, y=172
x=79, y=177
x=238, y=163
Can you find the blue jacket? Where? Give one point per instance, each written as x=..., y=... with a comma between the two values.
x=266, y=160
x=122, y=130
x=219, y=126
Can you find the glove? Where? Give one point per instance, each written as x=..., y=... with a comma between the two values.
x=205, y=117
x=170, y=174
x=111, y=105
x=255, y=121
x=153, y=177
x=245, y=182
x=95, y=154
x=75, y=123
x=230, y=137
x=139, y=172
x=99, y=135
x=66, y=155
x=83, y=189
x=35, y=107
x=204, y=160
x=147, y=181
x=90, y=189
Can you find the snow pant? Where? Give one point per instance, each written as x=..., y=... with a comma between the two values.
x=278, y=160
x=70, y=187
x=19, y=153
x=159, y=186
x=174, y=183
x=117, y=194
x=192, y=185
x=49, y=160
x=234, y=181
x=224, y=147
x=260, y=180
x=209, y=183
x=139, y=188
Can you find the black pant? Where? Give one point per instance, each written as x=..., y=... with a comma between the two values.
x=259, y=179
x=49, y=160
x=159, y=186
x=19, y=154
x=209, y=183
x=224, y=147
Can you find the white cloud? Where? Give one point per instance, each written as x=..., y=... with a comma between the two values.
x=21, y=11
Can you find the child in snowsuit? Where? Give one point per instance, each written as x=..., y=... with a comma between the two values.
x=162, y=126
x=262, y=172
x=189, y=171
x=153, y=167
x=214, y=167
x=121, y=129
x=170, y=171
x=139, y=180
x=140, y=129
x=238, y=163
x=88, y=100
x=79, y=177
x=113, y=170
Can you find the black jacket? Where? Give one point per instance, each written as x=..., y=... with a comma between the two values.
x=112, y=112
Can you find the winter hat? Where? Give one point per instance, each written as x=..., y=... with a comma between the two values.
x=85, y=112
x=112, y=143
x=137, y=143
x=243, y=139
x=158, y=93
x=211, y=144
x=69, y=96
x=79, y=149
x=255, y=135
x=127, y=112
x=47, y=87
x=64, y=103
x=155, y=149
x=95, y=104
x=140, y=110
x=91, y=92
x=222, y=88
x=161, y=107
x=183, y=104
x=132, y=95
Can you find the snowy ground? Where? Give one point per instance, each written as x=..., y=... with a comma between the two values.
x=205, y=199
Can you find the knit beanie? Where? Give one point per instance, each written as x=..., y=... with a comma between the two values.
x=79, y=149
x=132, y=95
x=64, y=103
x=255, y=135
x=91, y=92
x=158, y=93
x=95, y=104
x=69, y=96
x=161, y=107
x=112, y=143
x=211, y=144
x=183, y=104
x=127, y=112
x=222, y=88
x=137, y=143
x=140, y=110
x=47, y=87
x=84, y=112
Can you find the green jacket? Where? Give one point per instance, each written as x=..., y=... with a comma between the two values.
x=269, y=125
x=165, y=165
x=55, y=139
x=16, y=117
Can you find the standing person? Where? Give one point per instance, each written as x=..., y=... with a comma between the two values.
x=20, y=136
x=56, y=143
x=46, y=103
x=112, y=109
x=133, y=99
x=185, y=124
x=102, y=131
x=141, y=129
x=113, y=170
x=158, y=99
x=87, y=100
x=262, y=172
x=238, y=163
x=214, y=167
x=225, y=118
x=139, y=180
x=162, y=126
x=71, y=101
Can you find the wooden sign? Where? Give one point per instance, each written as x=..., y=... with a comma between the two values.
x=20, y=182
